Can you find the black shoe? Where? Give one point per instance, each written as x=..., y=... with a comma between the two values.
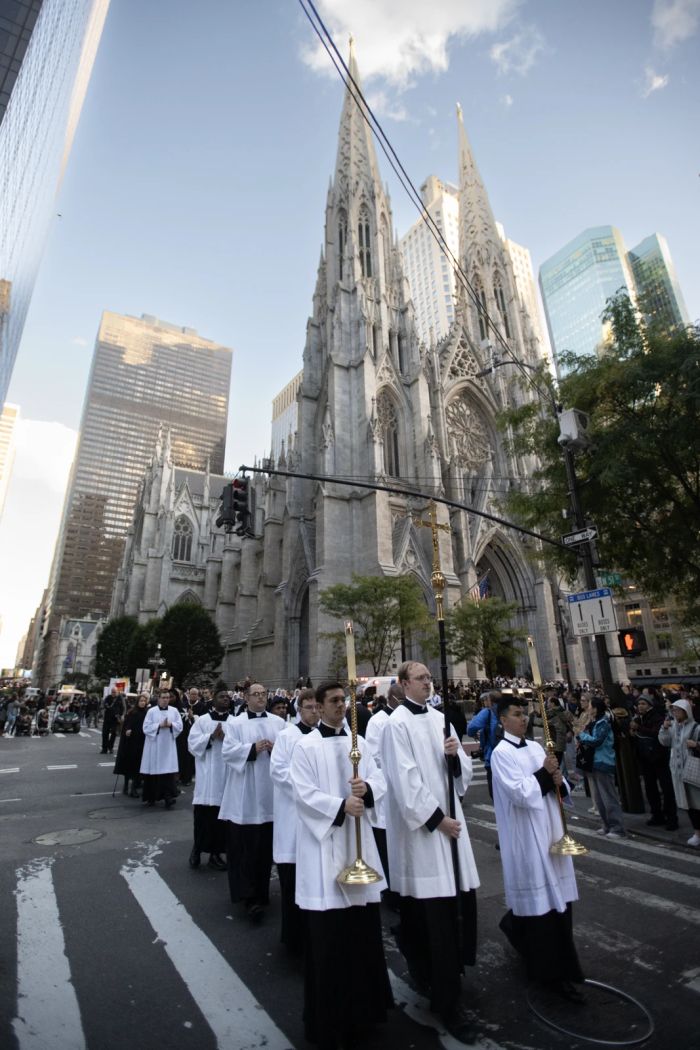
x=655, y=821
x=103, y=752
x=672, y=825
x=125, y=789
x=568, y=990
x=217, y=862
x=134, y=794
x=461, y=1028
x=255, y=913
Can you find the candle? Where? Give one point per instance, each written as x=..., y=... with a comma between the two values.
x=350, y=650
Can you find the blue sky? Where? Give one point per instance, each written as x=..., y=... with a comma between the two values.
x=195, y=190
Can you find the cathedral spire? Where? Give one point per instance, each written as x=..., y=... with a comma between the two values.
x=356, y=161
x=478, y=235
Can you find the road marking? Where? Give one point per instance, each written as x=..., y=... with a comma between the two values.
x=91, y=730
x=234, y=1015
x=62, y=767
x=84, y=734
x=416, y=1007
x=10, y=769
x=57, y=733
x=691, y=979
x=10, y=799
x=49, y=1020
x=105, y=764
x=684, y=912
x=89, y=794
x=667, y=852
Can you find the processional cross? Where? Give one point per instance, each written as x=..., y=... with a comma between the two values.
x=437, y=577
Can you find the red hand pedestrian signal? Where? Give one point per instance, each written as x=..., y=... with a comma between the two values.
x=632, y=641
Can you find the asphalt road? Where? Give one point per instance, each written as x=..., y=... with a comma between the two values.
x=116, y=943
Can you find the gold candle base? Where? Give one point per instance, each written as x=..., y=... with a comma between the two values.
x=567, y=846
x=358, y=874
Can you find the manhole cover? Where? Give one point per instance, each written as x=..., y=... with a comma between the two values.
x=69, y=837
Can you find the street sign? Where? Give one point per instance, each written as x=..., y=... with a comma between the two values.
x=610, y=579
x=592, y=612
x=572, y=539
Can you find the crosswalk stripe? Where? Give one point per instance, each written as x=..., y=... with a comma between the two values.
x=415, y=1009
x=625, y=843
x=234, y=1015
x=74, y=766
x=48, y=1015
x=13, y=769
x=650, y=900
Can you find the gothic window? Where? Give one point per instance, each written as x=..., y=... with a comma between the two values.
x=389, y=424
x=182, y=539
x=480, y=306
x=402, y=353
x=501, y=303
x=386, y=246
x=342, y=240
x=375, y=340
x=363, y=242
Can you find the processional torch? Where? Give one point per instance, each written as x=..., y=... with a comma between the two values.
x=566, y=846
x=358, y=873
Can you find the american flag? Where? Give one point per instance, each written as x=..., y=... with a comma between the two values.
x=480, y=590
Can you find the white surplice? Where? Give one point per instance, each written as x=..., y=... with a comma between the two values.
x=320, y=770
x=413, y=763
x=209, y=765
x=247, y=797
x=159, y=748
x=284, y=828
x=536, y=881
x=373, y=739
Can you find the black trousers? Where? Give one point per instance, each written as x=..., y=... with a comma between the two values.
x=333, y=999
x=546, y=944
x=658, y=788
x=109, y=735
x=293, y=923
x=249, y=856
x=209, y=831
x=437, y=937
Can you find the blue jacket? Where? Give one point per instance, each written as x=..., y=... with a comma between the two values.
x=604, y=742
x=484, y=725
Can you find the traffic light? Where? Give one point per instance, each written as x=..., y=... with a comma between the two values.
x=632, y=641
x=235, y=508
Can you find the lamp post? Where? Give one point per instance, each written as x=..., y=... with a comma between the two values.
x=585, y=550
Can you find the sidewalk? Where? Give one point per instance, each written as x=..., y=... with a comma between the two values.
x=635, y=823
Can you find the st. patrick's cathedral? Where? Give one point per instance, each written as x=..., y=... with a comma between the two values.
x=375, y=404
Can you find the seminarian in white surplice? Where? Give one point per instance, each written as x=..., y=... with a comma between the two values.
x=437, y=934
x=343, y=924
x=161, y=727
x=205, y=743
x=540, y=886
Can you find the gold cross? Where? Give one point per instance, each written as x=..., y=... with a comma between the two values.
x=437, y=579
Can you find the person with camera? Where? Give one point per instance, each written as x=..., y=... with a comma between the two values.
x=653, y=760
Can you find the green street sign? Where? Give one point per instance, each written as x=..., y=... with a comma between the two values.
x=610, y=579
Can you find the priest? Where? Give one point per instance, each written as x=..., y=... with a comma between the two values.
x=284, y=826
x=161, y=727
x=343, y=925
x=539, y=886
x=205, y=743
x=430, y=856
x=247, y=801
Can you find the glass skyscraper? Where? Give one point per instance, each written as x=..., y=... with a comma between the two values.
x=658, y=289
x=47, y=50
x=576, y=282
x=147, y=378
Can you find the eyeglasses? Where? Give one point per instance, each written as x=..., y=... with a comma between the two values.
x=257, y=692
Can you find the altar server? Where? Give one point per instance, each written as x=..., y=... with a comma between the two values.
x=161, y=727
x=205, y=743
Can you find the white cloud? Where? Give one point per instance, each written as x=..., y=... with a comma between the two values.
x=79, y=341
x=519, y=53
x=507, y=101
x=400, y=39
x=653, y=81
x=382, y=105
x=674, y=21
x=30, y=524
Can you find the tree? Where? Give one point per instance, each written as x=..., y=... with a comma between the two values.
x=640, y=476
x=112, y=652
x=143, y=645
x=382, y=608
x=482, y=632
x=190, y=641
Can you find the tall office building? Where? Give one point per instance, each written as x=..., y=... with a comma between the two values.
x=285, y=412
x=47, y=50
x=8, y=436
x=429, y=269
x=150, y=382
x=658, y=289
x=577, y=281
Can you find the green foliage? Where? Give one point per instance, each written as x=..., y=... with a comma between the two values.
x=640, y=478
x=382, y=608
x=190, y=641
x=143, y=645
x=483, y=632
x=112, y=653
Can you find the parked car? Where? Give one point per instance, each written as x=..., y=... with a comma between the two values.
x=65, y=721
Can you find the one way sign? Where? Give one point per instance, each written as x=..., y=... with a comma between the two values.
x=572, y=539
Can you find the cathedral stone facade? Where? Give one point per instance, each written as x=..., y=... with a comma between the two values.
x=374, y=404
